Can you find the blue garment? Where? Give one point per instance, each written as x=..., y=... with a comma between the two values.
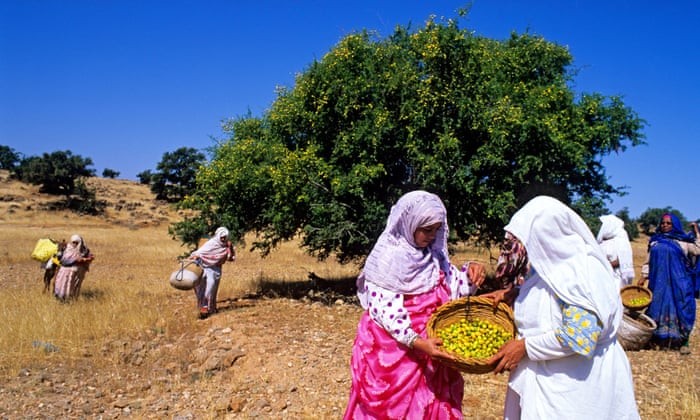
x=672, y=283
x=697, y=278
x=676, y=232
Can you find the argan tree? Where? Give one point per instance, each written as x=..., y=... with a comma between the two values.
x=175, y=174
x=9, y=158
x=57, y=172
x=485, y=124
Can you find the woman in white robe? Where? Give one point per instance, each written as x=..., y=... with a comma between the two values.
x=615, y=242
x=566, y=362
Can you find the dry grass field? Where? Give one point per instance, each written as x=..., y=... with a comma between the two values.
x=132, y=346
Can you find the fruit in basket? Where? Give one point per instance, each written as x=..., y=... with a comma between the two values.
x=638, y=301
x=473, y=338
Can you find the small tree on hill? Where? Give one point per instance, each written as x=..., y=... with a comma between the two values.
x=630, y=224
x=56, y=172
x=176, y=174
x=8, y=158
x=109, y=173
x=145, y=176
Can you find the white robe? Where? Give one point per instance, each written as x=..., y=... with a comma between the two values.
x=551, y=381
x=615, y=243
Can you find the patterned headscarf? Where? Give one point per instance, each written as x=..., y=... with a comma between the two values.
x=395, y=263
x=512, y=262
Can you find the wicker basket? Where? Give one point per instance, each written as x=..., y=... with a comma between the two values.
x=471, y=308
x=630, y=292
x=635, y=330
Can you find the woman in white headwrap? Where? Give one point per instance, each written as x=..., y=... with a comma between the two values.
x=212, y=255
x=406, y=277
x=615, y=242
x=75, y=262
x=566, y=362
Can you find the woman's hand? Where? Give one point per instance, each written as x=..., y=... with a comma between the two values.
x=509, y=355
x=476, y=273
x=506, y=295
x=432, y=347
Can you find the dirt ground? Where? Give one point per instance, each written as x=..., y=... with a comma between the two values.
x=260, y=357
x=278, y=354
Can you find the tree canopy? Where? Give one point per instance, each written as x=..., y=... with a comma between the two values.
x=175, y=174
x=485, y=124
x=9, y=158
x=56, y=172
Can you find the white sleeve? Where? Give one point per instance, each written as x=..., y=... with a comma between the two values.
x=387, y=310
x=546, y=347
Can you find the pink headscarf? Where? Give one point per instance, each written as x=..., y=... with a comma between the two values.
x=215, y=251
x=75, y=249
x=395, y=263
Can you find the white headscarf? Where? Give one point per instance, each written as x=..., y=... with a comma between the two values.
x=563, y=251
x=395, y=263
x=613, y=239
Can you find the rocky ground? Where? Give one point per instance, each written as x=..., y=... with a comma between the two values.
x=261, y=357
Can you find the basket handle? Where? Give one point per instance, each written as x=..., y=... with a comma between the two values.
x=184, y=263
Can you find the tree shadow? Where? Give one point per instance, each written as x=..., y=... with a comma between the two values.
x=312, y=289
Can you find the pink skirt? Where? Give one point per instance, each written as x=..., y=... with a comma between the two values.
x=392, y=381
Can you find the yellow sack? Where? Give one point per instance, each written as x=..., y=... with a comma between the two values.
x=44, y=249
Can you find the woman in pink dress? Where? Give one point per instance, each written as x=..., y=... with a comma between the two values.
x=396, y=369
x=75, y=263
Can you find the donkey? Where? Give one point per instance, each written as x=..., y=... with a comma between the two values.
x=50, y=268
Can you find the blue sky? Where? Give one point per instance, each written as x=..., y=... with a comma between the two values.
x=124, y=81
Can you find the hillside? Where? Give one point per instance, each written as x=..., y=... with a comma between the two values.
x=127, y=203
x=133, y=347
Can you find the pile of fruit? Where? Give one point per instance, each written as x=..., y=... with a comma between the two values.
x=473, y=339
x=638, y=301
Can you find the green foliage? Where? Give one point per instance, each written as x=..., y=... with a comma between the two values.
x=145, y=176
x=485, y=124
x=8, y=158
x=176, y=174
x=84, y=200
x=56, y=172
x=630, y=224
x=650, y=219
x=109, y=173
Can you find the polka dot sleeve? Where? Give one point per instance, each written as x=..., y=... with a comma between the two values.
x=459, y=283
x=386, y=309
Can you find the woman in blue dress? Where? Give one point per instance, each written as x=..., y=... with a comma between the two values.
x=670, y=272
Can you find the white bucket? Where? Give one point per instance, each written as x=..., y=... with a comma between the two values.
x=186, y=277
